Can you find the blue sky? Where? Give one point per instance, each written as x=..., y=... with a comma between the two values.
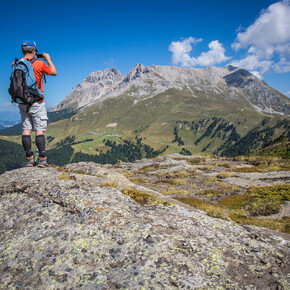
x=86, y=36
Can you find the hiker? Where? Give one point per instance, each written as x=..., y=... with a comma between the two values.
x=33, y=113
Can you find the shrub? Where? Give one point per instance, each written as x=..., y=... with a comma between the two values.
x=259, y=206
x=234, y=202
x=266, y=200
x=280, y=192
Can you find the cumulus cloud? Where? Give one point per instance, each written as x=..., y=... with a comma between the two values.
x=181, y=53
x=257, y=74
x=267, y=38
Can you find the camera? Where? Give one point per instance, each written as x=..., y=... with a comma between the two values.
x=39, y=55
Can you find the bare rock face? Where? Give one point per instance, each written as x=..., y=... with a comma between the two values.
x=64, y=230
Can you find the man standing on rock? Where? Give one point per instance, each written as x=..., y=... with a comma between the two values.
x=35, y=116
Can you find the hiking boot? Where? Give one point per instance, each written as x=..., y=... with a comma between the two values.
x=30, y=162
x=42, y=162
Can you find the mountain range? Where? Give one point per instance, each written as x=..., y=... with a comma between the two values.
x=230, y=83
x=164, y=109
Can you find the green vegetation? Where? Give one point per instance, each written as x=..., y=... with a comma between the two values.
x=282, y=225
x=266, y=200
x=259, y=201
x=65, y=176
x=172, y=181
x=211, y=192
x=12, y=156
x=257, y=138
x=262, y=164
x=60, y=156
x=243, y=208
x=139, y=196
x=221, y=137
x=210, y=208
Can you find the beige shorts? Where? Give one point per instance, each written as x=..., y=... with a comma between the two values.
x=35, y=118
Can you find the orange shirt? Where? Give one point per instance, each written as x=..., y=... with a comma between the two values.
x=40, y=68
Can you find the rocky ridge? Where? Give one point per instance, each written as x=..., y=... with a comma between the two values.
x=231, y=83
x=72, y=227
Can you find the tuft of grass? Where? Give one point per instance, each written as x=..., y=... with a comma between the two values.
x=144, y=198
x=206, y=168
x=262, y=164
x=110, y=184
x=226, y=187
x=282, y=225
x=234, y=202
x=210, y=208
x=211, y=179
x=180, y=174
x=226, y=165
x=147, y=168
x=196, y=160
x=224, y=175
x=138, y=180
x=139, y=196
x=211, y=192
x=172, y=181
x=180, y=192
x=65, y=176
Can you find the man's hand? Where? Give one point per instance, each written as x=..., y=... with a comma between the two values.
x=50, y=64
x=46, y=57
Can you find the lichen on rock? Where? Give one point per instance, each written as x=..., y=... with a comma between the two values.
x=62, y=233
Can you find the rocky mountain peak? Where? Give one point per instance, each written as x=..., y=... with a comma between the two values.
x=106, y=75
x=136, y=72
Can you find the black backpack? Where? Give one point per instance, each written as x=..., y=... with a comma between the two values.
x=23, y=88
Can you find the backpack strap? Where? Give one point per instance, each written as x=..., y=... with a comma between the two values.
x=42, y=77
x=15, y=62
x=22, y=62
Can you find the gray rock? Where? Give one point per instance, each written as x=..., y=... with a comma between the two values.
x=64, y=234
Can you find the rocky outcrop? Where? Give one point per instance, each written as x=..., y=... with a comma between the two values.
x=72, y=228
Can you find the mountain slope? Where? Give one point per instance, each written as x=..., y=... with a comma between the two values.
x=225, y=111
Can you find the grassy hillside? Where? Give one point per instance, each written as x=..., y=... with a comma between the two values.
x=173, y=120
x=154, y=120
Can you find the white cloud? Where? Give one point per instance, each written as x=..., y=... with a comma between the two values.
x=253, y=62
x=288, y=94
x=267, y=38
x=181, y=50
x=257, y=74
x=181, y=53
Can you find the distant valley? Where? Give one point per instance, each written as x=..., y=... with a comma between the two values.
x=111, y=117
